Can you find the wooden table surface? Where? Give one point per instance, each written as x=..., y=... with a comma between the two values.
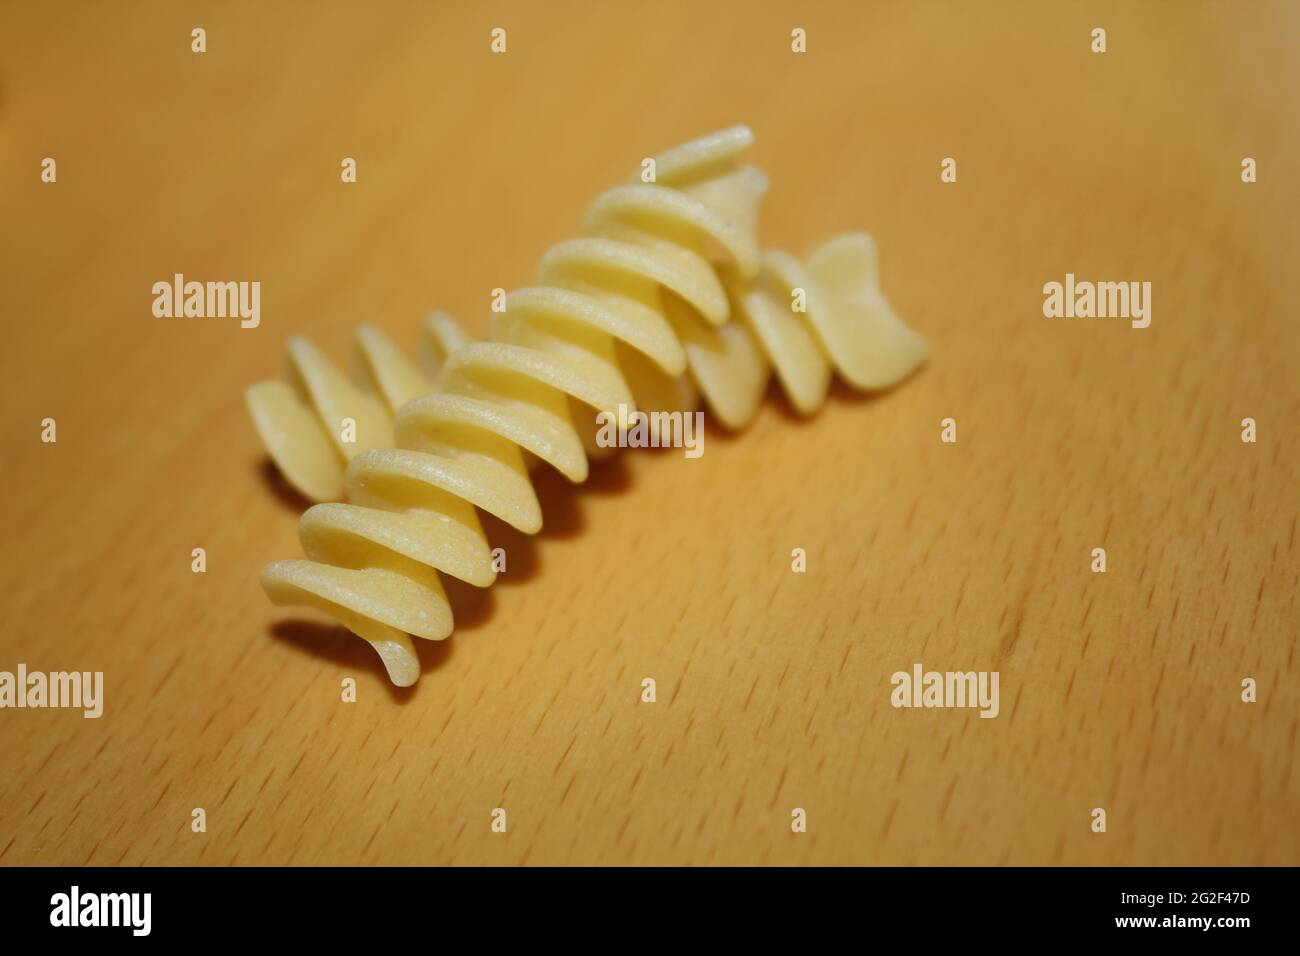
x=1119, y=690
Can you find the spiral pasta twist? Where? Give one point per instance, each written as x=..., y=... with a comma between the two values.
x=301, y=421
x=618, y=319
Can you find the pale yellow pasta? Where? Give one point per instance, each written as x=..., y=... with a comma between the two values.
x=635, y=314
x=842, y=322
x=302, y=421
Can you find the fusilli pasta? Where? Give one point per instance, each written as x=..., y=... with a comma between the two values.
x=618, y=320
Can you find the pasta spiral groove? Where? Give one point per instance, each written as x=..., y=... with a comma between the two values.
x=617, y=320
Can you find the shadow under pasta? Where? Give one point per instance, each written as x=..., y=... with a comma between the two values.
x=288, y=496
x=339, y=647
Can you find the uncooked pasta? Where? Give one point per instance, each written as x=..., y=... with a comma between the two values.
x=303, y=421
x=665, y=300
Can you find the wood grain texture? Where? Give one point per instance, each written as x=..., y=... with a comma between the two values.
x=1118, y=690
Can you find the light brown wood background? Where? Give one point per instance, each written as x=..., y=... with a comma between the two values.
x=1118, y=691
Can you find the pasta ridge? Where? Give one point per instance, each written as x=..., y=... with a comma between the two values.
x=297, y=419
